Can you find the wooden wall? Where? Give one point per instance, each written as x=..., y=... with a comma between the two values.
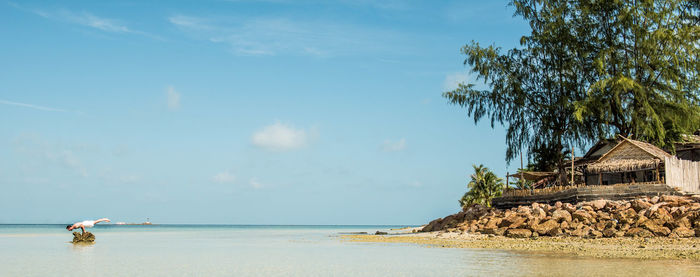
x=683, y=174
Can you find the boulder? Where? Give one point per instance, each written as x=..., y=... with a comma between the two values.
x=675, y=200
x=546, y=227
x=512, y=219
x=564, y=225
x=638, y=232
x=681, y=222
x=599, y=204
x=595, y=234
x=560, y=215
x=86, y=237
x=582, y=216
x=538, y=213
x=518, y=233
x=600, y=226
x=639, y=204
x=610, y=233
x=654, y=199
x=625, y=216
x=660, y=215
x=655, y=228
x=569, y=208
x=682, y=232
x=601, y=215
x=581, y=232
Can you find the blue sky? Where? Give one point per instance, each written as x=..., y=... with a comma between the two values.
x=241, y=112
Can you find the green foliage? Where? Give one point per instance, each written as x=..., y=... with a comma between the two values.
x=589, y=70
x=646, y=82
x=484, y=186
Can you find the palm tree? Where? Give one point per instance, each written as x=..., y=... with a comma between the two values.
x=484, y=186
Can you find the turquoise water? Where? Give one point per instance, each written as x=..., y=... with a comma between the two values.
x=195, y=250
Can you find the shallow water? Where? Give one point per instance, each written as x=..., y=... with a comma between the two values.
x=191, y=250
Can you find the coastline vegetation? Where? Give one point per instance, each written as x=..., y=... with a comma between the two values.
x=484, y=186
x=589, y=70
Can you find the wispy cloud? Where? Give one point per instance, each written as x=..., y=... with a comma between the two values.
x=254, y=183
x=31, y=106
x=42, y=153
x=256, y=36
x=225, y=177
x=173, y=98
x=394, y=146
x=86, y=19
x=281, y=137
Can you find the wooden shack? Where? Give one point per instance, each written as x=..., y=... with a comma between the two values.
x=630, y=161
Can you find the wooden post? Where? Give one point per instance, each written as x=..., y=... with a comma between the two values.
x=658, y=176
x=572, y=165
x=522, y=181
x=600, y=178
x=507, y=180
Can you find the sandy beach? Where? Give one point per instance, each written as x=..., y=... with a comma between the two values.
x=635, y=248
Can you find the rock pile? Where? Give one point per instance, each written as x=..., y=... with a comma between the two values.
x=664, y=216
x=86, y=237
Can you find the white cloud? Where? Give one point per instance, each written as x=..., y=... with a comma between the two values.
x=225, y=177
x=254, y=183
x=280, y=137
x=85, y=19
x=394, y=146
x=42, y=153
x=257, y=36
x=36, y=107
x=173, y=99
x=453, y=80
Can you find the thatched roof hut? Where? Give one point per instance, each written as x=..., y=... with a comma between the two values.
x=629, y=155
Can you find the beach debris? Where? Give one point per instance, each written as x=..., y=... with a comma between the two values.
x=86, y=237
x=380, y=233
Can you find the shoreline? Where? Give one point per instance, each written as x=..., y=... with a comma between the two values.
x=687, y=249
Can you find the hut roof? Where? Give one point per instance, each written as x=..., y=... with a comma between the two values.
x=533, y=175
x=629, y=155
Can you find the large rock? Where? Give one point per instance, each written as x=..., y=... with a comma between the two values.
x=682, y=232
x=560, y=215
x=582, y=216
x=581, y=232
x=518, y=233
x=86, y=237
x=598, y=204
x=655, y=228
x=639, y=204
x=512, y=220
x=625, y=216
x=546, y=227
x=660, y=215
x=639, y=232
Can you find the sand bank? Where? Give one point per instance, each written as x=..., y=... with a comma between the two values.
x=624, y=247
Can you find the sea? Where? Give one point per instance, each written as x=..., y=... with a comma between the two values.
x=256, y=250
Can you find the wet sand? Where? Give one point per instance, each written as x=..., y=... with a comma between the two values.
x=636, y=248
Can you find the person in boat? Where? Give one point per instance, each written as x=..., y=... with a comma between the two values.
x=85, y=224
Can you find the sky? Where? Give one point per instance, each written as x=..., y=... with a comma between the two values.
x=242, y=112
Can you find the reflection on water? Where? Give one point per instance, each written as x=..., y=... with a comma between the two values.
x=82, y=246
x=281, y=250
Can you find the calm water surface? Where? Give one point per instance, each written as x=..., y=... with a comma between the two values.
x=191, y=250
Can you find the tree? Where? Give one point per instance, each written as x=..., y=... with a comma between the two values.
x=646, y=63
x=533, y=89
x=589, y=70
x=484, y=186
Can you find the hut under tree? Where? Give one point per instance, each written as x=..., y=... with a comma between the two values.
x=630, y=161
